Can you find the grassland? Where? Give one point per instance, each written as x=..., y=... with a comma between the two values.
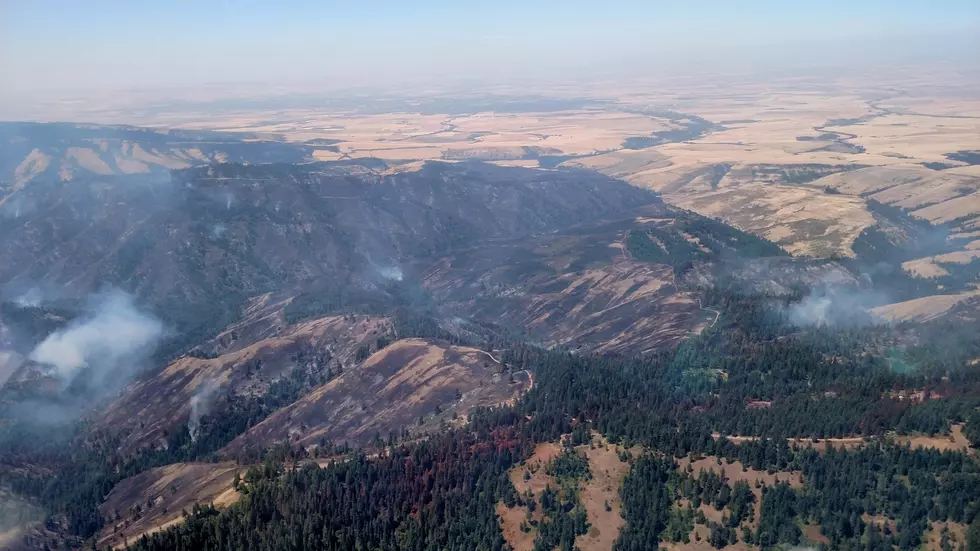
x=895, y=134
x=158, y=498
x=793, y=159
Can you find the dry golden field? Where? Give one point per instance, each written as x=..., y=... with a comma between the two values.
x=776, y=145
x=791, y=158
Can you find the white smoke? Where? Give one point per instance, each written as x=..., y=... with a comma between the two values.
x=218, y=230
x=32, y=298
x=200, y=404
x=831, y=305
x=391, y=272
x=14, y=207
x=110, y=339
x=812, y=310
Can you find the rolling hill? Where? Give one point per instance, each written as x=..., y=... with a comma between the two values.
x=68, y=151
x=309, y=307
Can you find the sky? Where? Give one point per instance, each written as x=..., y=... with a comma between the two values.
x=62, y=45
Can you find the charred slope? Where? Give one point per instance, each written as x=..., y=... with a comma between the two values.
x=196, y=244
x=589, y=287
x=411, y=383
x=219, y=395
x=626, y=285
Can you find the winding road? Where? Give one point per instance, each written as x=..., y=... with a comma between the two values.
x=717, y=313
x=673, y=281
x=489, y=355
x=530, y=376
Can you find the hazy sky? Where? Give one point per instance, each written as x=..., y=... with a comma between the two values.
x=110, y=44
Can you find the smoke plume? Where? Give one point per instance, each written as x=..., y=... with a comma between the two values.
x=393, y=273
x=107, y=342
x=831, y=305
x=31, y=298
x=15, y=207
x=200, y=404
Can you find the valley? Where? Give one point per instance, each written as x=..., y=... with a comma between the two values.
x=683, y=314
x=749, y=152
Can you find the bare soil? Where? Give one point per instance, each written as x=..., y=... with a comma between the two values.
x=955, y=441
x=603, y=488
x=608, y=473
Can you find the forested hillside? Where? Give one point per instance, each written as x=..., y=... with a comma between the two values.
x=752, y=375
x=440, y=494
x=382, y=358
